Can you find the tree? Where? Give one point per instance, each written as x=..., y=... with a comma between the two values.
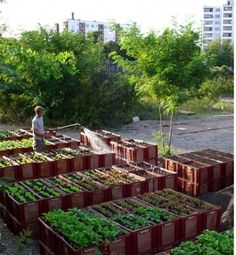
x=66, y=73
x=169, y=66
x=220, y=53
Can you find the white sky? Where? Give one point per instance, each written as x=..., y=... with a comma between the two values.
x=149, y=14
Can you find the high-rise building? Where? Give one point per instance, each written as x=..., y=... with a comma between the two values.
x=218, y=23
x=85, y=26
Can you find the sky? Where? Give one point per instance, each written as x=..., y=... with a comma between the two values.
x=22, y=15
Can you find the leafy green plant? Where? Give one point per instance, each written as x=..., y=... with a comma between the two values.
x=42, y=189
x=209, y=242
x=23, y=239
x=149, y=213
x=127, y=220
x=63, y=185
x=20, y=193
x=82, y=228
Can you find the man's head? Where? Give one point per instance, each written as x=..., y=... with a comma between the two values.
x=39, y=110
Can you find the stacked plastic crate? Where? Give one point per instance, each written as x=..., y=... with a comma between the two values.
x=201, y=171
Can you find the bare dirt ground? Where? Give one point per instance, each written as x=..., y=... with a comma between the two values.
x=190, y=133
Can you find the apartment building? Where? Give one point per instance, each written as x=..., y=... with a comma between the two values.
x=218, y=23
x=227, y=32
x=85, y=26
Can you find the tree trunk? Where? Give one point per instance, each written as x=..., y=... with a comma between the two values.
x=171, y=129
x=161, y=125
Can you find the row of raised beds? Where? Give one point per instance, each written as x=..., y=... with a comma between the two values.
x=14, y=146
x=25, y=201
x=131, y=150
x=129, y=226
x=201, y=171
x=31, y=165
x=13, y=134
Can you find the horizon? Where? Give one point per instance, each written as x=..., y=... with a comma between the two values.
x=149, y=15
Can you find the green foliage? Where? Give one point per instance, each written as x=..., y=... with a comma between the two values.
x=220, y=53
x=23, y=239
x=209, y=242
x=161, y=139
x=82, y=228
x=170, y=67
x=66, y=73
x=220, y=83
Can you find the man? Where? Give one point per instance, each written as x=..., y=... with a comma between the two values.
x=38, y=129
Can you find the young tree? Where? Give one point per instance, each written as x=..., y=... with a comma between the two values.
x=170, y=66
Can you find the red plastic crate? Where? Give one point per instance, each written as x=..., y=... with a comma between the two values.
x=10, y=173
x=59, y=245
x=93, y=161
x=165, y=236
x=197, y=173
x=25, y=171
x=193, y=189
x=44, y=250
x=61, y=166
x=175, y=164
x=23, y=212
x=106, y=159
x=150, y=149
x=16, y=227
x=44, y=169
x=216, y=166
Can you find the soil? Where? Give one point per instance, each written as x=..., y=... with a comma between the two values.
x=190, y=133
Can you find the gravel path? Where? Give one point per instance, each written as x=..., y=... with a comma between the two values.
x=190, y=133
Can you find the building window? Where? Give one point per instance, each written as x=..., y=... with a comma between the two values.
x=227, y=22
x=208, y=9
x=217, y=16
x=217, y=9
x=227, y=28
x=208, y=28
x=217, y=22
x=217, y=29
x=227, y=34
x=92, y=25
x=207, y=22
x=208, y=35
x=208, y=16
x=227, y=8
x=227, y=15
x=87, y=25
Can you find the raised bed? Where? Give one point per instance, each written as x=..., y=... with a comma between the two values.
x=8, y=169
x=61, y=163
x=127, y=150
x=13, y=135
x=153, y=181
x=95, y=192
x=211, y=214
x=150, y=150
x=60, y=241
x=175, y=164
x=227, y=164
x=169, y=178
x=164, y=234
x=201, y=171
x=216, y=166
x=131, y=184
x=26, y=166
x=188, y=219
x=140, y=229
x=74, y=194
